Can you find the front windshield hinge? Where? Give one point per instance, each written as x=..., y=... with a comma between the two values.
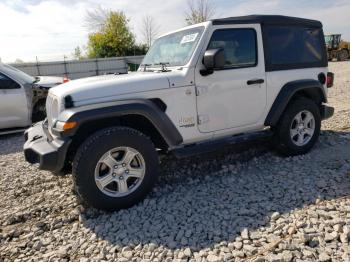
x=145, y=66
x=163, y=66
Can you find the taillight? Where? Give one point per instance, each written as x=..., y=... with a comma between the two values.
x=330, y=79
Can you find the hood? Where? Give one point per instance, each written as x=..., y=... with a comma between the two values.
x=49, y=81
x=108, y=86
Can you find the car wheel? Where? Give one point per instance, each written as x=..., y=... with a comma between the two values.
x=115, y=168
x=343, y=55
x=298, y=128
x=39, y=111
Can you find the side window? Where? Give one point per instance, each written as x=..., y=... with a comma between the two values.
x=294, y=45
x=7, y=83
x=239, y=46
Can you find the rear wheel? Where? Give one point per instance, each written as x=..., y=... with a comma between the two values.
x=299, y=128
x=115, y=168
x=343, y=55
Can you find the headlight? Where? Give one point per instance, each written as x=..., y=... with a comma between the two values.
x=53, y=108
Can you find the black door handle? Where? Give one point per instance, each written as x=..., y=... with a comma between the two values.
x=255, y=81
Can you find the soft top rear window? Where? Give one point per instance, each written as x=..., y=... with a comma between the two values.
x=293, y=47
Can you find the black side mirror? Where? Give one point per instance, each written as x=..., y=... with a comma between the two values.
x=213, y=59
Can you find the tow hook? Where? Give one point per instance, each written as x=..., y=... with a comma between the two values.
x=36, y=138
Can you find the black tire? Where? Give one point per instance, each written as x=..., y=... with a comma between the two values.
x=89, y=154
x=343, y=55
x=39, y=111
x=282, y=136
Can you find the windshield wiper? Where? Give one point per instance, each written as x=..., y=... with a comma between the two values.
x=163, y=65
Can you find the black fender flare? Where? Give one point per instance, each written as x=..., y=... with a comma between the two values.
x=312, y=87
x=142, y=107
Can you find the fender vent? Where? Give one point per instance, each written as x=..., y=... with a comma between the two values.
x=159, y=103
x=68, y=102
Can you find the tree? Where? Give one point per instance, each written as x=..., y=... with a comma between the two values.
x=150, y=30
x=95, y=19
x=199, y=11
x=140, y=49
x=78, y=54
x=114, y=38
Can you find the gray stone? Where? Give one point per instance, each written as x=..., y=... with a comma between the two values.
x=344, y=238
x=62, y=252
x=37, y=245
x=287, y=256
x=238, y=245
x=275, y=216
x=128, y=254
x=324, y=257
x=245, y=234
x=238, y=253
x=274, y=258
x=181, y=255
x=213, y=258
x=187, y=252
x=331, y=236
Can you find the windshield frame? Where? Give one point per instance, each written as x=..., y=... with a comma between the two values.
x=201, y=32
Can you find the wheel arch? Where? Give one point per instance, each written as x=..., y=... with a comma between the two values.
x=142, y=115
x=311, y=89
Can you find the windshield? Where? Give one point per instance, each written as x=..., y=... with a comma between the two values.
x=175, y=49
x=328, y=39
x=16, y=74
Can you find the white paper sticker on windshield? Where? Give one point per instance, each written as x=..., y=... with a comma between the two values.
x=189, y=38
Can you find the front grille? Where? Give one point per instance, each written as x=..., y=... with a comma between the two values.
x=51, y=109
x=49, y=100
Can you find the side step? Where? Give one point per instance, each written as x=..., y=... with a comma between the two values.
x=206, y=147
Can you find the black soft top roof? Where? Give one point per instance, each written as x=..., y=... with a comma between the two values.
x=268, y=20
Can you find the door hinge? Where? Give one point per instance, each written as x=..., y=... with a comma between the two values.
x=202, y=119
x=200, y=90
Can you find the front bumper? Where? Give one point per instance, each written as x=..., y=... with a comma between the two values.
x=41, y=148
x=326, y=112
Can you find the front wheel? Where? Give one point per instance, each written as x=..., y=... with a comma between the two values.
x=115, y=168
x=39, y=111
x=299, y=128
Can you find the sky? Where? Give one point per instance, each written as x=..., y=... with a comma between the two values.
x=50, y=29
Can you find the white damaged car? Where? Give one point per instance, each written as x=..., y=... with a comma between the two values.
x=22, y=98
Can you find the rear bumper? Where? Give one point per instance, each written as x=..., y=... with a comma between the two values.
x=49, y=153
x=326, y=112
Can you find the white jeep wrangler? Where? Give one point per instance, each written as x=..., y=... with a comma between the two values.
x=214, y=83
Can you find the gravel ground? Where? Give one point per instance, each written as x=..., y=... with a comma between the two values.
x=246, y=205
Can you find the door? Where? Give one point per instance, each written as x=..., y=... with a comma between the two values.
x=13, y=104
x=234, y=96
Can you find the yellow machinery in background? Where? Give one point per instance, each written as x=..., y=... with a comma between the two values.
x=337, y=48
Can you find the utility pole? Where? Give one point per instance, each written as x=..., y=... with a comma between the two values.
x=65, y=66
x=37, y=65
